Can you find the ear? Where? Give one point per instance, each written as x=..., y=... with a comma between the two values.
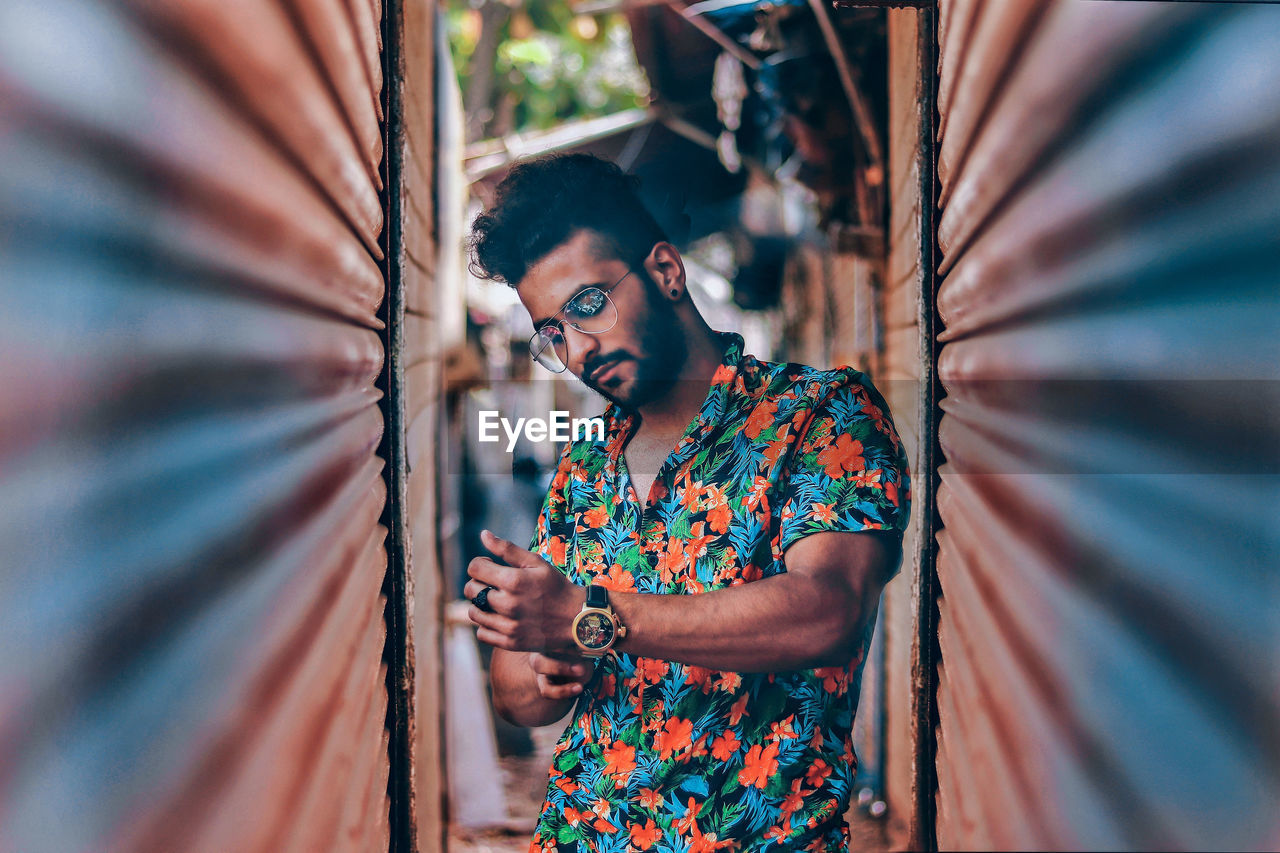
x=666, y=268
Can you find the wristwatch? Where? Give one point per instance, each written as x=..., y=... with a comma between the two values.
x=596, y=627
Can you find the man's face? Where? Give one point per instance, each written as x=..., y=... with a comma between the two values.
x=634, y=362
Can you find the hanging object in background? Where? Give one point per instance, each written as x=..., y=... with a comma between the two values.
x=729, y=89
x=783, y=101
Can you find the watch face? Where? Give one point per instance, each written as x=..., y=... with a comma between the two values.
x=595, y=630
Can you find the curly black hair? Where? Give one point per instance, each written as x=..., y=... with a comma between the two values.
x=543, y=202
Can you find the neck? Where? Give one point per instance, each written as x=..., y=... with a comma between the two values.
x=675, y=410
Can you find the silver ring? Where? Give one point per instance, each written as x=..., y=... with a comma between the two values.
x=481, y=599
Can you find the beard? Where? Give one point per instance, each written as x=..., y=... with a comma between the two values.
x=663, y=353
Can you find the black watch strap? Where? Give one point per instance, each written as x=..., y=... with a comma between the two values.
x=597, y=596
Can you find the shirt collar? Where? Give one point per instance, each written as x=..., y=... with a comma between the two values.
x=620, y=423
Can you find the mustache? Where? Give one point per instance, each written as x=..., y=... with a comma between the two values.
x=603, y=360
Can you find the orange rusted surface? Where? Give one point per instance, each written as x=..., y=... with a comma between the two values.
x=192, y=620
x=257, y=58
x=1107, y=250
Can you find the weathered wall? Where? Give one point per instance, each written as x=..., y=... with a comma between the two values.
x=1109, y=176
x=904, y=298
x=427, y=318
x=192, y=625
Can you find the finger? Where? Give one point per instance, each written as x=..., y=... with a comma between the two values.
x=501, y=601
x=545, y=665
x=570, y=657
x=509, y=552
x=493, y=638
x=493, y=621
x=557, y=691
x=492, y=574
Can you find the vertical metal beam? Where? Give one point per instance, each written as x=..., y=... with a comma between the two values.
x=398, y=651
x=923, y=835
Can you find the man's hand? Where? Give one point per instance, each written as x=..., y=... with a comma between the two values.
x=560, y=677
x=533, y=604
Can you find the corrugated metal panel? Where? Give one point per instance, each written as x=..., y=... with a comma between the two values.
x=191, y=607
x=1109, y=612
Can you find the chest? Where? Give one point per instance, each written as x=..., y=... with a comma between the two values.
x=708, y=525
x=644, y=457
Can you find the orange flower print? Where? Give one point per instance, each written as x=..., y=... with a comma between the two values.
x=761, y=763
x=782, y=730
x=644, y=837
x=824, y=513
x=556, y=547
x=864, y=479
x=596, y=517
x=757, y=495
x=697, y=543
x=762, y=417
x=699, y=676
x=674, y=738
x=728, y=681
x=689, y=821
x=774, y=450
x=817, y=773
x=617, y=579
x=651, y=670
x=792, y=802
x=564, y=783
x=844, y=455
x=706, y=843
x=835, y=679
x=891, y=492
x=619, y=761
x=650, y=798
x=723, y=747
x=674, y=562
x=780, y=831
x=738, y=710
x=713, y=496
x=719, y=518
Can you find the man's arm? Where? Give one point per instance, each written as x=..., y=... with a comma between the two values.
x=530, y=689
x=810, y=616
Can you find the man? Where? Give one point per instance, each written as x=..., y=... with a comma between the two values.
x=702, y=583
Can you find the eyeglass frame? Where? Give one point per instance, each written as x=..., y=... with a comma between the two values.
x=556, y=318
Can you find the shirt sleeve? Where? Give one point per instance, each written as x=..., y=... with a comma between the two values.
x=849, y=470
x=552, y=532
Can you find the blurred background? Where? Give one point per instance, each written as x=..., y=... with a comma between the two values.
x=241, y=360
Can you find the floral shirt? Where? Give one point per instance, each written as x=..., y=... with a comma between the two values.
x=669, y=757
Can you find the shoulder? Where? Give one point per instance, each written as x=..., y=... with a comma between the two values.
x=837, y=401
x=802, y=390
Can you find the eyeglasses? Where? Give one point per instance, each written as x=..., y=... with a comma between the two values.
x=590, y=311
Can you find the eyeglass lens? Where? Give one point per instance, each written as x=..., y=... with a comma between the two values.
x=591, y=311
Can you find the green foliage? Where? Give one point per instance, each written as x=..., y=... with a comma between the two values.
x=548, y=65
x=566, y=761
